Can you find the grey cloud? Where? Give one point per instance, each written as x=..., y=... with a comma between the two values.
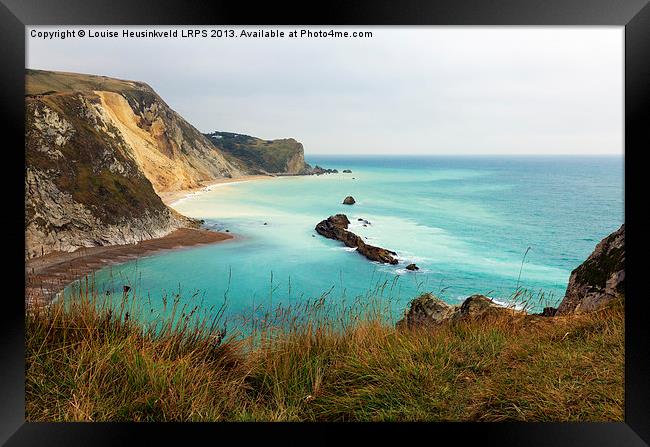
x=424, y=90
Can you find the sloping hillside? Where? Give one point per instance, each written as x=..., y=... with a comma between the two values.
x=171, y=153
x=257, y=156
x=83, y=185
x=99, y=151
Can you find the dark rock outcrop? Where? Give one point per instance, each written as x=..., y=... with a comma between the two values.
x=347, y=171
x=335, y=227
x=428, y=310
x=377, y=253
x=349, y=200
x=548, y=312
x=598, y=280
x=412, y=267
x=317, y=170
x=476, y=305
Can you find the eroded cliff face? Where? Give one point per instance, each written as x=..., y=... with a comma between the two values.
x=172, y=154
x=99, y=150
x=83, y=185
x=296, y=164
x=598, y=280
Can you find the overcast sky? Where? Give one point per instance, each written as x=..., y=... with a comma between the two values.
x=406, y=90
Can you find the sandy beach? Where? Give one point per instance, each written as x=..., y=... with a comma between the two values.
x=170, y=197
x=48, y=275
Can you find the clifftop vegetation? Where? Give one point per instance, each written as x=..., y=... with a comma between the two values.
x=257, y=156
x=90, y=363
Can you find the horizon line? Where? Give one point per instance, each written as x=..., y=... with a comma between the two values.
x=495, y=154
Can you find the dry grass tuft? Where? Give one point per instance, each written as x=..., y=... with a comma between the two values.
x=90, y=362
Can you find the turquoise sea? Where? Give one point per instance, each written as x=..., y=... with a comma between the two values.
x=486, y=225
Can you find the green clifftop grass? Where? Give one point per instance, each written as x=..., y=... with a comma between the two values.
x=43, y=82
x=258, y=156
x=86, y=363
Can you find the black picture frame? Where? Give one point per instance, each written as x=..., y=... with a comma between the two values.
x=634, y=15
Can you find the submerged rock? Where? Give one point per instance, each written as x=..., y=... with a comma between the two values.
x=347, y=171
x=349, y=200
x=336, y=227
x=598, y=280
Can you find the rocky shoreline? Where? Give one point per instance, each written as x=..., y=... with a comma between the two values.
x=593, y=284
x=47, y=275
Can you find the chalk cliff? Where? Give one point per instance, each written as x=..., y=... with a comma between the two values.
x=97, y=152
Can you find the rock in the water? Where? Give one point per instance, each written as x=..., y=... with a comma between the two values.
x=265, y=223
x=598, y=280
x=349, y=200
x=412, y=267
x=317, y=170
x=347, y=171
x=335, y=227
x=376, y=253
x=332, y=226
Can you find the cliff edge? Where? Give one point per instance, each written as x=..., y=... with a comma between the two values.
x=97, y=152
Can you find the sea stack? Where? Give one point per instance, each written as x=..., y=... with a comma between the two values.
x=336, y=227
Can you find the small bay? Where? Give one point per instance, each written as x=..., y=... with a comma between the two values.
x=486, y=225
